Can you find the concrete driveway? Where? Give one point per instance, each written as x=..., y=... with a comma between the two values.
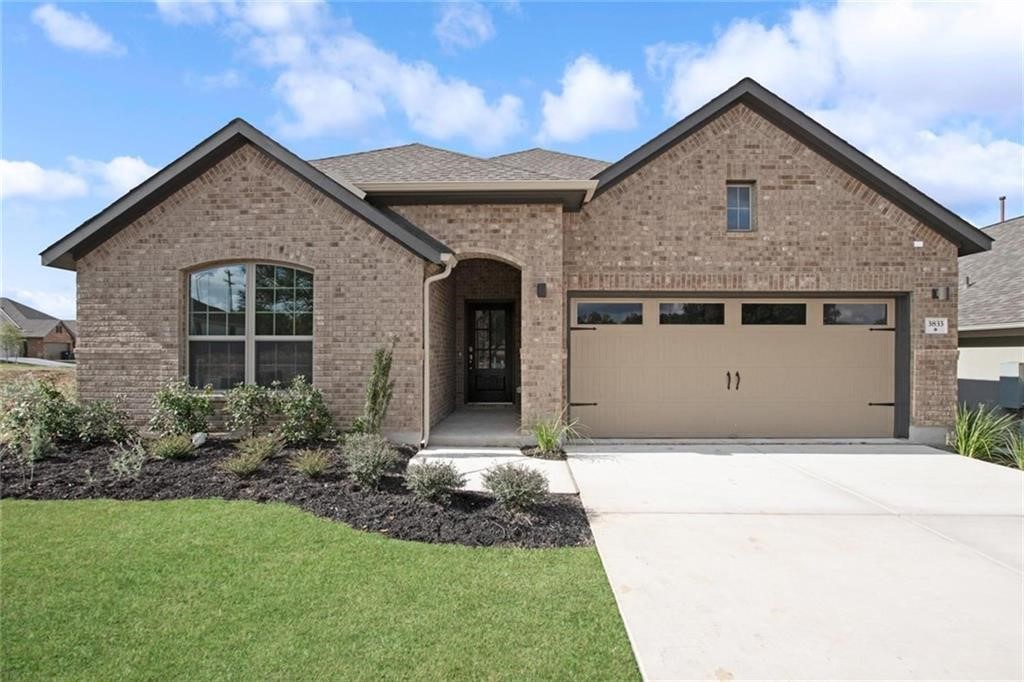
x=810, y=561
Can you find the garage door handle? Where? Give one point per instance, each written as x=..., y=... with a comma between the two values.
x=728, y=381
x=737, y=380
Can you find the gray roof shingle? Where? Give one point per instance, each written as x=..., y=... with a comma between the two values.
x=31, y=322
x=420, y=163
x=995, y=295
x=558, y=164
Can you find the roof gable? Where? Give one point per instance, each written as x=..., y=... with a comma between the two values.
x=28, y=320
x=192, y=164
x=968, y=238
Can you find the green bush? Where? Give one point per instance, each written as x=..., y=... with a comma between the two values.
x=433, y=481
x=304, y=415
x=179, y=409
x=980, y=432
x=36, y=406
x=517, y=488
x=249, y=407
x=242, y=464
x=369, y=457
x=312, y=463
x=103, y=421
x=552, y=433
x=1012, y=451
x=127, y=462
x=379, y=390
x=259, y=448
x=173, y=447
x=39, y=444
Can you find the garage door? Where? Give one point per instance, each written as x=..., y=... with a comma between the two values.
x=675, y=368
x=52, y=351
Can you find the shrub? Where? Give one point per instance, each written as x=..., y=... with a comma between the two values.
x=368, y=457
x=242, y=464
x=312, y=463
x=249, y=407
x=259, y=448
x=379, y=389
x=1012, y=452
x=173, y=447
x=979, y=432
x=552, y=433
x=38, y=406
x=178, y=409
x=39, y=444
x=434, y=481
x=518, y=488
x=103, y=421
x=127, y=463
x=304, y=414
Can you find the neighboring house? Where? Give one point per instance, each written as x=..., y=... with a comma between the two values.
x=745, y=273
x=991, y=312
x=43, y=336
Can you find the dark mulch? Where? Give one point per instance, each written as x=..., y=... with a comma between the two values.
x=534, y=451
x=471, y=519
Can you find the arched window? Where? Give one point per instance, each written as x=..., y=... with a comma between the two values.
x=249, y=323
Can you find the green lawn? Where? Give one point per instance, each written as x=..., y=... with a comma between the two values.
x=207, y=589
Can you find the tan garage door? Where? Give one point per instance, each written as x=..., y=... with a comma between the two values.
x=676, y=368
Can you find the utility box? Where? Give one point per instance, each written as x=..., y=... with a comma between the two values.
x=1011, y=385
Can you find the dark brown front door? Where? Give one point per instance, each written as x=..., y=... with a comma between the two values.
x=489, y=352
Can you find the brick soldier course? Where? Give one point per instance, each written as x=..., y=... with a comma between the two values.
x=653, y=222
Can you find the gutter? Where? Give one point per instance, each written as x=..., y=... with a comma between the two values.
x=450, y=262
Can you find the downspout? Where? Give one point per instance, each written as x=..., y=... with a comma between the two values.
x=449, y=261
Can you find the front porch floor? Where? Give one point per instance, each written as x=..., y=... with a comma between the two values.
x=480, y=426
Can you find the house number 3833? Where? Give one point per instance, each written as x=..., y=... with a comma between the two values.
x=936, y=325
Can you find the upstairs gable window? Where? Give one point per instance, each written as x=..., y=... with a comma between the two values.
x=739, y=206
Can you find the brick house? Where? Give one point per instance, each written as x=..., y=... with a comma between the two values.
x=745, y=273
x=43, y=336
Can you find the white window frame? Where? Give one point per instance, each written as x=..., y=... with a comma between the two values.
x=250, y=338
x=749, y=186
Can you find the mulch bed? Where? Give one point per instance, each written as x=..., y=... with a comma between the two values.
x=534, y=451
x=472, y=519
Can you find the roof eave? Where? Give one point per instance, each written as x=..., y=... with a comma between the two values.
x=572, y=194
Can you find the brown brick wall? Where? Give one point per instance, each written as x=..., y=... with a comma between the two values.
x=442, y=347
x=818, y=229
x=367, y=288
x=529, y=237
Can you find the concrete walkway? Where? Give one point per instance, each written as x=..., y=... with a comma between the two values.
x=473, y=462
x=810, y=561
x=42, y=362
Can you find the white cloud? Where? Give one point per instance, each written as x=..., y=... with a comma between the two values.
x=332, y=79
x=594, y=98
x=188, y=11
x=224, y=80
x=115, y=177
x=60, y=304
x=463, y=25
x=28, y=180
x=922, y=88
x=74, y=32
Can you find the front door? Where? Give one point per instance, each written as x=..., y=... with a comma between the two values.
x=488, y=352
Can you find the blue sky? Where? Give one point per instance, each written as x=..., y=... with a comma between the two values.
x=98, y=96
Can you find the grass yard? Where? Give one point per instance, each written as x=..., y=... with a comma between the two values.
x=64, y=377
x=207, y=589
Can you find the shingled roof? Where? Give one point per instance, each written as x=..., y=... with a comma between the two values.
x=421, y=163
x=31, y=322
x=992, y=282
x=559, y=164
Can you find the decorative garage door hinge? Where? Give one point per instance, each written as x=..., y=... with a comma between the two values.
x=881, y=404
x=582, y=404
x=882, y=329
x=582, y=329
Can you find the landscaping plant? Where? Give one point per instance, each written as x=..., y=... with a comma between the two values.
x=379, y=389
x=36, y=406
x=127, y=462
x=518, y=488
x=312, y=463
x=177, y=447
x=249, y=407
x=1012, y=452
x=103, y=421
x=552, y=433
x=243, y=464
x=979, y=432
x=179, y=409
x=369, y=457
x=304, y=415
x=433, y=481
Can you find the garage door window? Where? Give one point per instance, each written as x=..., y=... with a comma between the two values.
x=774, y=313
x=854, y=313
x=691, y=313
x=610, y=313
